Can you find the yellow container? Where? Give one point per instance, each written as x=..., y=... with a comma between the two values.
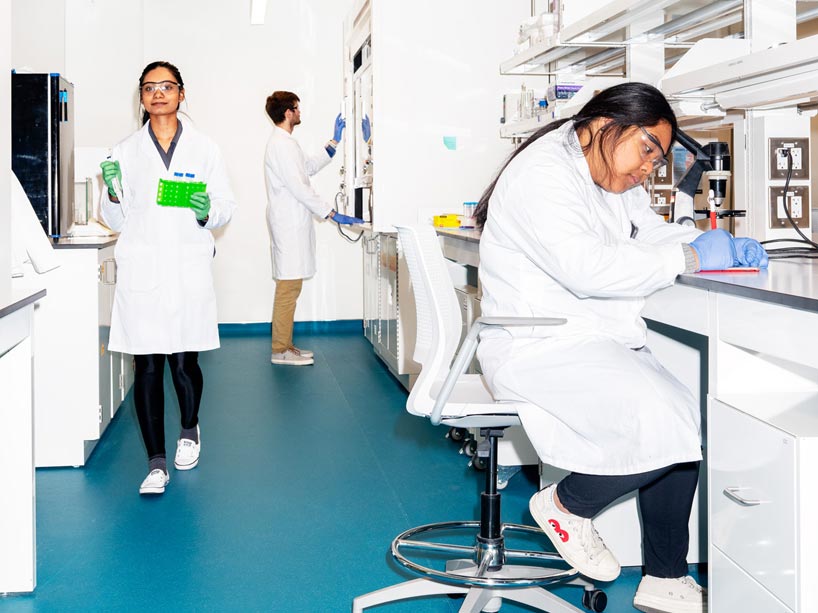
x=447, y=221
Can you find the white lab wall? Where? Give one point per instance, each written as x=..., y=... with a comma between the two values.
x=43, y=49
x=229, y=68
x=5, y=150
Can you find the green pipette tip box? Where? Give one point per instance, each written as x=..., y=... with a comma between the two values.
x=177, y=193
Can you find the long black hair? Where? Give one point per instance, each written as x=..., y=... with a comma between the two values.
x=159, y=64
x=626, y=105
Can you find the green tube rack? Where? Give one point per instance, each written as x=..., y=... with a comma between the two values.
x=177, y=193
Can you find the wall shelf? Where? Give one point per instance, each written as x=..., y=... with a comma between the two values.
x=605, y=34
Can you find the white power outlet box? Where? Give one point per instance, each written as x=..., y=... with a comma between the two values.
x=799, y=151
x=797, y=202
x=794, y=203
x=781, y=158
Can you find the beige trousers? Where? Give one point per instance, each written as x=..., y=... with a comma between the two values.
x=287, y=292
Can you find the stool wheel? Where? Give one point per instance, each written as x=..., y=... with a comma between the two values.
x=457, y=434
x=478, y=463
x=594, y=600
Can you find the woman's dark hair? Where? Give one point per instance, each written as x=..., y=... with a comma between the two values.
x=279, y=103
x=159, y=64
x=626, y=105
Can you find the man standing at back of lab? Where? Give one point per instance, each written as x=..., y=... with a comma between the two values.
x=291, y=203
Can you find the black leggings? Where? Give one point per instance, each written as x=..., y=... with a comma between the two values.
x=665, y=500
x=149, y=395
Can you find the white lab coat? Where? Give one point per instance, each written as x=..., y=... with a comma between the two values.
x=291, y=203
x=556, y=245
x=164, y=300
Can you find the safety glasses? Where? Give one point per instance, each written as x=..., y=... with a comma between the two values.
x=150, y=87
x=651, y=150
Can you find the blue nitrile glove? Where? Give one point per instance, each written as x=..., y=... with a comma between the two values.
x=344, y=219
x=111, y=171
x=366, y=128
x=200, y=203
x=340, y=124
x=715, y=249
x=749, y=252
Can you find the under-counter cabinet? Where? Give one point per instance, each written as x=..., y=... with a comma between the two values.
x=389, y=305
x=18, y=557
x=78, y=383
x=764, y=504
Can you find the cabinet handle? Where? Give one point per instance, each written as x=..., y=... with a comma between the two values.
x=731, y=493
x=107, y=272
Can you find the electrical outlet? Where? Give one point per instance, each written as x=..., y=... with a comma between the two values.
x=797, y=202
x=799, y=151
x=664, y=175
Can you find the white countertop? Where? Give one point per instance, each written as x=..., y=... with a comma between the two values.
x=791, y=282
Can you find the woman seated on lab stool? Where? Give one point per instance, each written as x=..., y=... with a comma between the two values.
x=568, y=232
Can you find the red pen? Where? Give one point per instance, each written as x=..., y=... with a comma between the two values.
x=737, y=269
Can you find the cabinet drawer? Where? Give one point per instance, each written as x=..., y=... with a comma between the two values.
x=752, y=498
x=739, y=325
x=732, y=590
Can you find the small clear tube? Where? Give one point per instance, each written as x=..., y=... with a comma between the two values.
x=116, y=184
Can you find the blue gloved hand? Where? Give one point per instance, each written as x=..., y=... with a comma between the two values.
x=366, y=128
x=344, y=219
x=715, y=249
x=749, y=252
x=340, y=124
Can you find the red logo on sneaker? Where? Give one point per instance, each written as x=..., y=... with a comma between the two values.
x=560, y=532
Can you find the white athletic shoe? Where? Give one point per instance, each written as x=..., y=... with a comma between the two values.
x=292, y=358
x=187, y=452
x=681, y=595
x=574, y=537
x=155, y=482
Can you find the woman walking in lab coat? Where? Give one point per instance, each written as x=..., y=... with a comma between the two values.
x=568, y=232
x=165, y=304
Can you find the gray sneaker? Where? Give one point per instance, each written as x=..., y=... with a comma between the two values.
x=292, y=358
x=304, y=353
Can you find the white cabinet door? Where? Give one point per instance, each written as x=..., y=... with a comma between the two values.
x=17, y=520
x=752, y=498
x=105, y=290
x=734, y=591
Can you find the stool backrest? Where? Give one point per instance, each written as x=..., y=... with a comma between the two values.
x=439, y=321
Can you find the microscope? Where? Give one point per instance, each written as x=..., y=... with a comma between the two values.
x=713, y=161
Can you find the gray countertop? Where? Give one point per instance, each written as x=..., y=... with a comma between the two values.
x=467, y=234
x=84, y=242
x=19, y=300
x=792, y=283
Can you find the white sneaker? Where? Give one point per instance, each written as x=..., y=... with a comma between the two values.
x=155, y=482
x=574, y=537
x=682, y=595
x=187, y=452
x=304, y=353
x=293, y=358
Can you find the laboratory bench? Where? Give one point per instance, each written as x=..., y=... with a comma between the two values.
x=78, y=384
x=17, y=512
x=744, y=343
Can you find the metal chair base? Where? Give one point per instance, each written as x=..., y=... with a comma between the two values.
x=477, y=599
x=484, y=589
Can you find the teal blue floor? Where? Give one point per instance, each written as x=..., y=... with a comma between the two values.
x=306, y=475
